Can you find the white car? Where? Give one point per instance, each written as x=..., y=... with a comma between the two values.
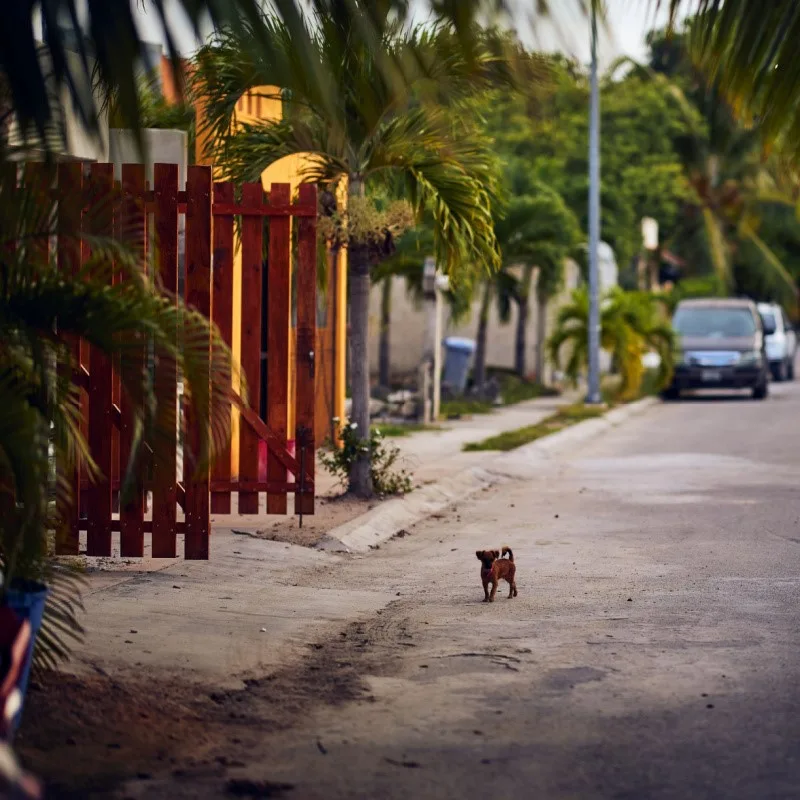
x=781, y=342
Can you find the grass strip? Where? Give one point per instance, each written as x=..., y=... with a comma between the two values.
x=397, y=430
x=510, y=440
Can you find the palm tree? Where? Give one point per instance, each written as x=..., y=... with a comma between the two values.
x=406, y=262
x=729, y=181
x=538, y=233
x=631, y=324
x=502, y=288
x=377, y=130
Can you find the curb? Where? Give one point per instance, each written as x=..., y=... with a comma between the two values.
x=385, y=521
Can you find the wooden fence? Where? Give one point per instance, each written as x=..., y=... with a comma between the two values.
x=148, y=220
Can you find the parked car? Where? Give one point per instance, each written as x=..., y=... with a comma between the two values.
x=782, y=344
x=721, y=345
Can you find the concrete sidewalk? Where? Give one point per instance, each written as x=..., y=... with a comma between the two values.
x=427, y=455
x=431, y=455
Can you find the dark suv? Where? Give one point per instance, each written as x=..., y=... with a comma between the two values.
x=720, y=346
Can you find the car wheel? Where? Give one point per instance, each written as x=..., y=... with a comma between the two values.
x=790, y=370
x=780, y=372
x=671, y=393
x=761, y=391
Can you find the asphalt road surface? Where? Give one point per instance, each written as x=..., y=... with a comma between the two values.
x=652, y=652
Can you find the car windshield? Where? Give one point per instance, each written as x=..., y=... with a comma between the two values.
x=769, y=320
x=713, y=323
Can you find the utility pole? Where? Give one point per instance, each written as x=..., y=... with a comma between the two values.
x=593, y=394
x=650, y=263
x=433, y=284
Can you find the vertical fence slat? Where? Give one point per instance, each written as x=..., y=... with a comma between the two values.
x=132, y=226
x=222, y=308
x=166, y=380
x=252, y=243
x=70, y=192
x=100, y=223
x=305, y=355
x=116, y=385
x=85, y=351
x=198, y=296
x=278, y=315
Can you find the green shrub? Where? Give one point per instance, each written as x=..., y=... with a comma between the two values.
x=516, y=390
x=387, y=479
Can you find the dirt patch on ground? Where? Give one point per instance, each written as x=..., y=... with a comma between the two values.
x=330, y=512
x=88, y=736
x=84, y=735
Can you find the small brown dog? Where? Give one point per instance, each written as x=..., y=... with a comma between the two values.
x=493, y=568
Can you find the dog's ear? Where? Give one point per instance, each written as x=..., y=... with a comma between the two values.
x=496, y=553
x=479, y=553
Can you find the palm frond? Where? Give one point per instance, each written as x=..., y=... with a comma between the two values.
x=61, y=625
x=773, y=263
x=448, y=174
x=717, y=246
x=747, y=50
x=245, y=154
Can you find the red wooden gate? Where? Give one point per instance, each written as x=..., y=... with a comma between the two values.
x=148, y=220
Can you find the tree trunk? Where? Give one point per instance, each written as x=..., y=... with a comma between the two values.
x=479, y=371
x=520, y=366
x=360, y=483
x=541, y=336
x=521, y=339
x=384, y=355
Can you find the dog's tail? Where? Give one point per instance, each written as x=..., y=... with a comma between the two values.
x=507, y=551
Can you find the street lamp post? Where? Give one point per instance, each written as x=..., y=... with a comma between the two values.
x=593, y=394
x=433, y=285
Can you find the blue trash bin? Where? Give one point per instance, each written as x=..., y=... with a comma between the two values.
x=458, y=356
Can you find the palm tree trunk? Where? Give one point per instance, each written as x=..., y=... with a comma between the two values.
x=384, y=354
x=521, y=339
x=479, y=371
x=541, y=336
x=520, y=366
x=360, y=479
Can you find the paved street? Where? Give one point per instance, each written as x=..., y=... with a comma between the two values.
x=652, y=651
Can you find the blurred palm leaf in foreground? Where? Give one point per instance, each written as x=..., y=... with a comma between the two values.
x=98, y=42
x=748, y=49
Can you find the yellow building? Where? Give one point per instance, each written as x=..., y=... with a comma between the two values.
x=332, y=304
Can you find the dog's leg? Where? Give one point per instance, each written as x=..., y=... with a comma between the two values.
x=494, y=590
x=486, y=592
x=512, y=582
